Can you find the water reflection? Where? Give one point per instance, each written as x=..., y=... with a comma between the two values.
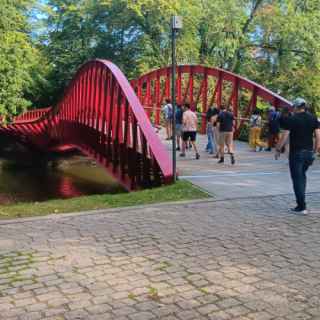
x=70, y=178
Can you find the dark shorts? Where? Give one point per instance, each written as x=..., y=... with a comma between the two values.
x=189, y=135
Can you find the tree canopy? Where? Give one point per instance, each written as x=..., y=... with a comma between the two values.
x=42, y=43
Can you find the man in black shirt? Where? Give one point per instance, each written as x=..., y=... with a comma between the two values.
x=225, y=122
x=301, y=128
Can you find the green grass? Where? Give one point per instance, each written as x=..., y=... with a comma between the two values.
x=182, y=190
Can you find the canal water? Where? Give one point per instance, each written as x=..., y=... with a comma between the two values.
x=77, y=176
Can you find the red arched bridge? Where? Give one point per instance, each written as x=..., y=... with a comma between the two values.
x=107, y=118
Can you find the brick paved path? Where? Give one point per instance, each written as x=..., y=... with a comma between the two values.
x=238, y=259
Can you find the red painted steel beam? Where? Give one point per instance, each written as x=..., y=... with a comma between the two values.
x=101, y=115
x=187, y=92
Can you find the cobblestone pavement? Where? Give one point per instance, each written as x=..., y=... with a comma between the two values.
x=237, y=259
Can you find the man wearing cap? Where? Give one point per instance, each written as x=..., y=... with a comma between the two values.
x=301, y=128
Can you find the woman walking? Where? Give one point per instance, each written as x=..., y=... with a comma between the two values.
x=255, y=132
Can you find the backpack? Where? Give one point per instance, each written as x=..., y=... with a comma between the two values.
x=170, y=112
x=274, y=122
x=254, y=121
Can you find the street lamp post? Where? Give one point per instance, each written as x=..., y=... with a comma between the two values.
x=176, y=25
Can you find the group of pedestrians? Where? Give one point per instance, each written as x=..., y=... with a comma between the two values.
x=220, y=124
x=273, y=128
x=295, y=128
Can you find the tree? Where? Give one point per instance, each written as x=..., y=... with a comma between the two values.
x=274, y=42
x=287, y=49
x=17, y=56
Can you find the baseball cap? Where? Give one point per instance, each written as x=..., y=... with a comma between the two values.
x=299, y=103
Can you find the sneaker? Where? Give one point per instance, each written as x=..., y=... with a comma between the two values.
x=197, y=156
x=233, y=161
x=298, y=210
x=182, y=154
x=221, y=160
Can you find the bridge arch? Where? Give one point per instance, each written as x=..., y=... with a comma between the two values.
x=101, y=116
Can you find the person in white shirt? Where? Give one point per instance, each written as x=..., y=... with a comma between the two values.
x=189, y=128
x=255, y=131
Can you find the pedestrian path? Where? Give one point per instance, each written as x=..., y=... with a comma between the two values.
x=254, y=174
x=241, y=259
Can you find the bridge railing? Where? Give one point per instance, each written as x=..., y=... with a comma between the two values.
x=31, y=115
x=201, y=87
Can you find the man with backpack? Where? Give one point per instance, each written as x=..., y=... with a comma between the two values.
x=273, y=128
x=301, y=128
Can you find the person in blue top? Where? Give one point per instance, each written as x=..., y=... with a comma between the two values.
x=211, y=144
x=179, y=115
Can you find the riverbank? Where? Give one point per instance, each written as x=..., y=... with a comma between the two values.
x=182, y=190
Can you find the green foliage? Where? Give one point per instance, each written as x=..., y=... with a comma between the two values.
x=19, y=59
x=276, y=43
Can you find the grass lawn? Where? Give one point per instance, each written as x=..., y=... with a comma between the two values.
x=182, y=190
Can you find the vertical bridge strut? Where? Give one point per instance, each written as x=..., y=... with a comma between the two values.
x=202, y=87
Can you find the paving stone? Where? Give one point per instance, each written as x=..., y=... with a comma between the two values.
x=142, y=316
x=31, y=316
x=188, y=315
x=55, y=312
x=262, y=315
x=25, y=302
x=76, y=315
x=205, y=310
x=227, y=303
x=99, y=309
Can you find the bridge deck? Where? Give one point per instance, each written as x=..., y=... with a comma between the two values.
x=255, y=173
